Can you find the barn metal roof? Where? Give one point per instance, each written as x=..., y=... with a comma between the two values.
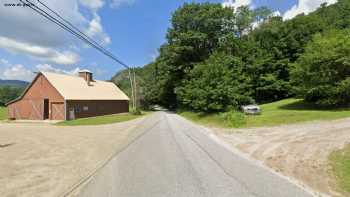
x=76, y=88
x=85, y=71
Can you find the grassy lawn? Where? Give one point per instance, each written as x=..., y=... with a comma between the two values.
x=278, y=113
x=3, y=113
x=340, y=163
x=101, y=120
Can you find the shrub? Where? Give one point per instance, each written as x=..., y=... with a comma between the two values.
x=136, y=112
x=234, y=118
x=343, y=92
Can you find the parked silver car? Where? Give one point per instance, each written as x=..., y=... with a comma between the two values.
x=251, y=109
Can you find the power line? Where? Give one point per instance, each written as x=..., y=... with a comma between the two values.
x=82, y=36
x=75, y=28
x=77, y=34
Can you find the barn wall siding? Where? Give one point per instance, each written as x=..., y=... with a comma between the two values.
x=31, y=106
x=85, y=109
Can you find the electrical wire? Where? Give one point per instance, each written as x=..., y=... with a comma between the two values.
x=79, y=34
x=84, y=38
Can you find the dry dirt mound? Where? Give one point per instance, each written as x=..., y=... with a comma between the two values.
x=300, y=151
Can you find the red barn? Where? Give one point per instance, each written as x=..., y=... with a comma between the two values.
x=63, y=97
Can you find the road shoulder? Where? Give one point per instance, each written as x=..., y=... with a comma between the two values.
x=299, y=151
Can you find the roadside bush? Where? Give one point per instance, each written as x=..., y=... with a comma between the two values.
x=322, y=95
x=343, y=92
x=233, y=118
x=136, y=112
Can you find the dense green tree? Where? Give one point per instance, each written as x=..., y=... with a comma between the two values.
x=196, y=31
x=280, y=43
x=322, y=73
x=215, y=85
x=336, y=15
x=244, y=18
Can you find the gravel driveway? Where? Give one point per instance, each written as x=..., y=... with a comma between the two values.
x=45, y=160
x=300, y=150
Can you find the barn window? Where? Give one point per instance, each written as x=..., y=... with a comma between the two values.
x=77, y=109
x=85, y=108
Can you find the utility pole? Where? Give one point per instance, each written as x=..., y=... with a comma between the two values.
x=132, y=89
x=135, y=89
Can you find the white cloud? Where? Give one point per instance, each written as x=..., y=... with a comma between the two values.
x=17, y=72
x=42, y=53
x=118, y=3
x=25, y=25
x=107, y=40
x=96, y=30
x=4, y=62
x=305, y=6
x=49, y=68
x=35, y=36
x=92, y=4
x=236, y=3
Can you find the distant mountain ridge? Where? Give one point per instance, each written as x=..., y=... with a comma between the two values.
x=16, y=83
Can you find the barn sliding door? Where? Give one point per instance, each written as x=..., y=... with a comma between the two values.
x=57, y=111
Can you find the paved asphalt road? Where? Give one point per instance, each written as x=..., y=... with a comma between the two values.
x=175, y=158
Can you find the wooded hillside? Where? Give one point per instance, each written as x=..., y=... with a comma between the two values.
x=10, y=90
x=16, y=83
x=215, y=60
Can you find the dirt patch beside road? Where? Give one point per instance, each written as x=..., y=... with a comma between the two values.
x=44, y=160
x=300, y=151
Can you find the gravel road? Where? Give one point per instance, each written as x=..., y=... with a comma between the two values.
x=174, y=157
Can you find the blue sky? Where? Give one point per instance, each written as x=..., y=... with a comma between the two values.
x=132, y=29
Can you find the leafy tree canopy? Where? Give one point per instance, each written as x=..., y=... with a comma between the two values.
x=322, y=73
x=217, y=58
